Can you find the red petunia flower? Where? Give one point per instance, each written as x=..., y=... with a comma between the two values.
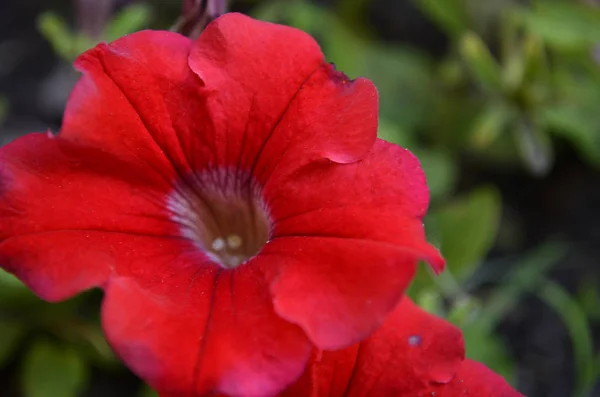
x=230, y=197
x=414, y=354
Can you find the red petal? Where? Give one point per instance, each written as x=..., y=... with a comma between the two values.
x=475, y=380
x=104, y=178
x=274, y=101
x=219, y=335
x=412, y=349
x=354, y=235
x=338, y=290
x=44, y=262
x=57, y=195
x=135, y=100
x=402, y=358
x=137, y=119
x=381, y=198
x=328, y=374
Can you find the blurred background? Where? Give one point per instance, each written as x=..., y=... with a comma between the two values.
x=500, y=100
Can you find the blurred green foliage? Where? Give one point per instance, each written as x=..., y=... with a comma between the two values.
x=68, y=43
x=515, y=80
x=52, y=370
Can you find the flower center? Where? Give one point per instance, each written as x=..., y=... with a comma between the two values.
x=222, y=211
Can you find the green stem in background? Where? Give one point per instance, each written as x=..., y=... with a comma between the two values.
x=576, y=322
x=448, y=285
x=525, y=278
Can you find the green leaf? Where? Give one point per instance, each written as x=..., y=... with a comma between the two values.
x=574, y=318
x=346, y=50
x=9, y=281
x=66, y=43
x=392, y=132
x=536, y=59
x=423, y=291
x=482, y=345
x=440, y=169
x=131, y=19
x=490, y=123
x=450, y=73
x=465, y=310
x=524, y=58
x=479, y=60
x=513, y=72
x=297, y=13
x=588, y=295
x=467, y=228
x=485, y=16
x=88, y=339
x=508, y=32
x=270, y=11
x=52, y=371
x=578, y=124
x=573, y=115
x=55, y=29
x=450, y=119
x=308, y=17
x=534, y=146
x=564, y=25
x=405, y=82
x=10, y=336
x=12, y=290
x=430, y=301
x=450, y=15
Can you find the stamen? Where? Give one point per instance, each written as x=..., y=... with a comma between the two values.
x=234, y=261
x=234, y=242
x=222, y=211
x=218, y=244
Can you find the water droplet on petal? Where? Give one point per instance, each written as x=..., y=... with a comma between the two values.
x=414, y=340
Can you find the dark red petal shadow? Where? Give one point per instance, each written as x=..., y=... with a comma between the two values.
x=274, y=100
x=220, y=336
x=328, y=374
